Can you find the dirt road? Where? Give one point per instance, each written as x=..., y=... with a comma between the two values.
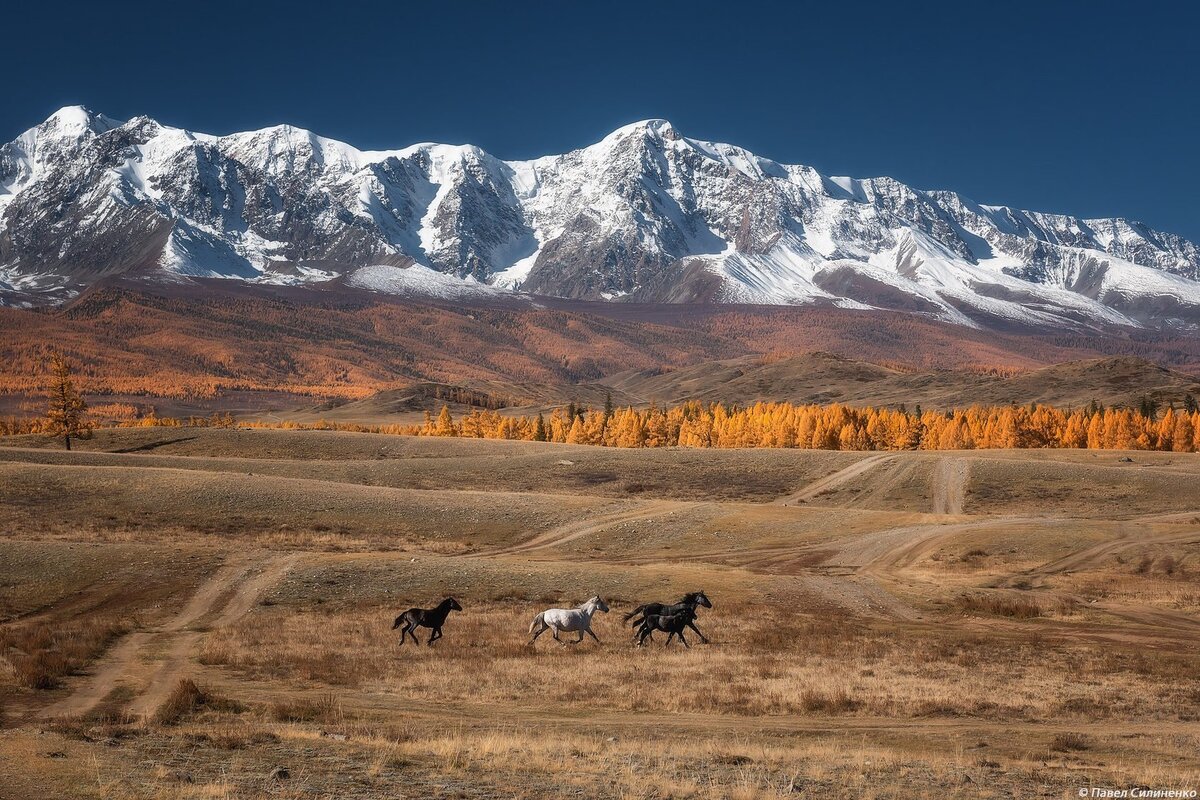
x=576, y=530
x=950, y=479
x=156, y=659
x=833, y=481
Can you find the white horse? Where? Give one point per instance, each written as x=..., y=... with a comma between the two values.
x=568, y=619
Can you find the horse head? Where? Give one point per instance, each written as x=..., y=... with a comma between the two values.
x=697, y=599
x=597, y=604
x=453, y=604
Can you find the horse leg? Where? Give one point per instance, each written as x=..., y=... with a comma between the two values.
x=703, y=638
x=554, y=632
x=433, y=637
x=405, y=631
x=592, y=634
x=579, y=639
x=685, y=644
x=540, y=631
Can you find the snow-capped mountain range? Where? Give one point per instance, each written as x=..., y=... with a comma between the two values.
x=645, y=214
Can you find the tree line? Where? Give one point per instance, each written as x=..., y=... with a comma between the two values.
x=836, y=427
x=763, y=424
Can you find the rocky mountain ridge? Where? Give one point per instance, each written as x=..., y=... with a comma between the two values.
x=646, y=214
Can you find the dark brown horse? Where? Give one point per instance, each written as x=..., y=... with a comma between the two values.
x=426, y=618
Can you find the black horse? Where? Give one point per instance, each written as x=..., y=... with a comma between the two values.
x=688, y=601
x=426, y=618
x=674, y=624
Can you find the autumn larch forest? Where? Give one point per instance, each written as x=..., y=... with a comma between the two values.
x=779, y=425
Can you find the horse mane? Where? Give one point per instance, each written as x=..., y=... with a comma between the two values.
x=595, y=600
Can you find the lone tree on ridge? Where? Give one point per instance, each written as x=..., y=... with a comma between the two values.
x=67, y=413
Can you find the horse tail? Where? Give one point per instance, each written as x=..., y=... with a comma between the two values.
x=635, y=612
x=399, y=620
x=536, y=622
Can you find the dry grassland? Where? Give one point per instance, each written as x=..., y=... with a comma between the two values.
x=208, y=616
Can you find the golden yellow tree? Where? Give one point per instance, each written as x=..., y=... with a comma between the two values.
x=577, y=434
x=445, y=423
x=1183, y=436
x=66, y=415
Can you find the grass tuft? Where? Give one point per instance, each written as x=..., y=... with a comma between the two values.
x=325, y=709
x=42, y=654
x=1070, y=742
x=1015, y=607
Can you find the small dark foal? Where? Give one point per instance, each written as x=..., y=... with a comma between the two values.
x=674, y=624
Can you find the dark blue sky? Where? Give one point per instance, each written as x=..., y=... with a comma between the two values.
x=1088, y=108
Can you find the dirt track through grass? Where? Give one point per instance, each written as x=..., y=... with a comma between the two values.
x=182, y=650
x=576, y=530
x=950, y=485
x=177, y=641
x=830, y=482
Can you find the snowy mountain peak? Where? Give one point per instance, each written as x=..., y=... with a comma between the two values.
x=284, y=149
x=75, y=122
x=657, y=128
x=645, y=213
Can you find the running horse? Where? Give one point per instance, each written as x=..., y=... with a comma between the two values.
x=673, y=624
x=689, y=601
x=568, y=619
x=426, y=618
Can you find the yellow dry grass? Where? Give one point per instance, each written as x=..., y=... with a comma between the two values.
x=864, y=645
x=773, y=663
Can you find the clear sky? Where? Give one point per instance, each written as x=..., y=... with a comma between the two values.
x=1087, y=108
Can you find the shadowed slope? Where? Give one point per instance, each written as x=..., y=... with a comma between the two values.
x=203, y=339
